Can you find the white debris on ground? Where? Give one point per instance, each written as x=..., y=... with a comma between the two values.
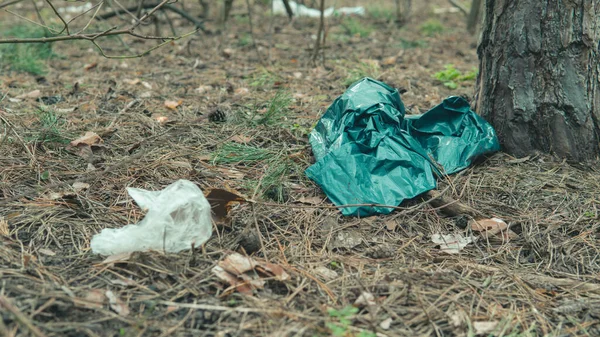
x=301, y=10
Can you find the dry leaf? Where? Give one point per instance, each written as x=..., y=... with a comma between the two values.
x=493, y=227
x=172, y=104
x=93, y=299
x=227, y=52
x=161, y=119
x=242, y=91
x=117, y=258
x=221, y=201
x=484, y=328
x=311, y=200
x=203, y=88
x=116, y=304
x=132, y=82
x=241, y=139
x=124, y=282
x=240, y=285
x=347, y=239
x=388, y=61
x=90, y=66
x=230, y=173
x=32, y=94
x=90, y=138
x=297, y=74
x=326, y=273
x=245, y=273
x=386, y=323
x=147, y=85
x=46, y=251
x=4, y=231
x=451, y=243
x=366, y=299
x=391, y=225
x=80, y=186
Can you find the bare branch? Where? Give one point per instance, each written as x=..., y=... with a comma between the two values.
x=93, y=37
x=66, y=25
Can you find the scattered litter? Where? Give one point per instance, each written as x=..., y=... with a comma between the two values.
x=178, y=218
x=246, y=274
x=301, y=10
x=451, y=243
x=368, y=152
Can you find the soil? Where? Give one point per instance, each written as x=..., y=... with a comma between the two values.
x=225, y=108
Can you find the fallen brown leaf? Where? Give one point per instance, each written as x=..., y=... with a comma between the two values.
x=4, y=231
x=172, y=104
x=90, y=138
x=93, y=299
x=116, y=304
x=221, y=201
x=493, y=227
x=241, y=139
x=32, y=94
x=245, y=273
x=388, y=61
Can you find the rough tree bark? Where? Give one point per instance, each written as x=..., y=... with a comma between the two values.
x=538, y=82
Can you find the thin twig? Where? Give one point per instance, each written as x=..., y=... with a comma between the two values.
x=318, y=45
x=19, y=316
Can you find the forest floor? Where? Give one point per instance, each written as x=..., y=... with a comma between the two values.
x=232, y=110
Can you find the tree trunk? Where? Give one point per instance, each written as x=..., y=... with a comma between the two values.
x=538, y=82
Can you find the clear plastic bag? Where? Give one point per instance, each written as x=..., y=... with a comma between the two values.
x=177, y=217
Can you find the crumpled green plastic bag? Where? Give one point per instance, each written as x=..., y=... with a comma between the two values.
x=368, y=153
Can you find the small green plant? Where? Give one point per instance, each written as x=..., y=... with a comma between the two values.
x=355, y=27
x=451, y=76
x=244, y=40
x=25, y=57
x=341, y=327
x=381, y=13
x=408, y=44
x=233, y=153
x=361, y=70
x=263, y=78
x=277, y=108
x=589, y=214
x=50, y=128
x=432, y=27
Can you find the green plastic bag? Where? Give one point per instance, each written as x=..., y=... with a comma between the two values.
x=368, y=153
